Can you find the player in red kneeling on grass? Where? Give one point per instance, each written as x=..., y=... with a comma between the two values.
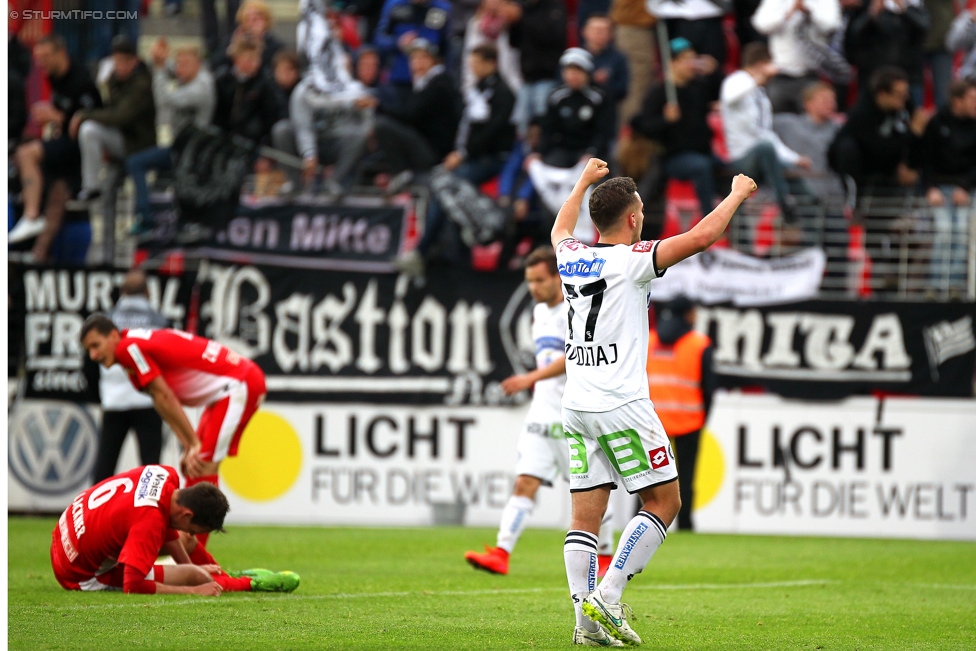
x=111, y=535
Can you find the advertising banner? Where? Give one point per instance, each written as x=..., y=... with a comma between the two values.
x=334, y=336
x=830, y=349
x=894, y=468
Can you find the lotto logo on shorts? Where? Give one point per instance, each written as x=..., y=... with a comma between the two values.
x=659, y=458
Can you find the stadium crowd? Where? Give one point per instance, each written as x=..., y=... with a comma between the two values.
x=390, y=93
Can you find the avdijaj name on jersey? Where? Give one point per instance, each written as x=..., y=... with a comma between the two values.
x=591, y=355
x=582, y=268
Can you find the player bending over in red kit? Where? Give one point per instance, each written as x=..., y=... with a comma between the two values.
x=182, y=370
x=111, y=535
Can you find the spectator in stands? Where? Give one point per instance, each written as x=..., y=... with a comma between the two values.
x=811, y=133
x=540, y=36
x=421, y=132
x=962, y=37
x=517, y=195
x=579, y=120
x=41, y=162
x=888, y=33
x=791, y=26
x=246, y=104
x=254, y=21
x=331, y=113
x=634, y=36
x=368, y=67
x=609, y=65
x=461, y=13
x=682, y=129
x=949, y=176
x=699, y=21
x=935, y=55
x=124, y=126
x=875, y=143
x=18, y=70
x=403, y=21
x=287, y=72
x=747, y=116
x=490, y=26
x=484, y=139
x=190, y=101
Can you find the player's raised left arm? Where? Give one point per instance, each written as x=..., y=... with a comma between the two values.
x=705, y=233
x=568, y=215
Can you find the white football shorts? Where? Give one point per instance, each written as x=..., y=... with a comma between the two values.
x=627, y=445
x=542, y=452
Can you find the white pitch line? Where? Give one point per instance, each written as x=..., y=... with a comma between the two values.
x=428, y=593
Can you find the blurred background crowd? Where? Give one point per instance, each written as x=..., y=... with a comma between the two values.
x=856, y=117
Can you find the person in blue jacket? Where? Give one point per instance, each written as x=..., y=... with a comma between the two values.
x=401, y=22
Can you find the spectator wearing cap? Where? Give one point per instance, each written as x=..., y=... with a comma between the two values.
x=681, y=384
x=417, y=134
x=699, y=21
x=682, y=129
x=609, y=65
x=579, y=120
x=42, y=163
x=125, y=125
x=962, y=38
x=540, y=36
x=888, y=33
x=188, y=101
x=403, y=21
x=790, y=24
x=747, y=116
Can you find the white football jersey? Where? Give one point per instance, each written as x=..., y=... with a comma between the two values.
x=607, y=287
x=549, y=335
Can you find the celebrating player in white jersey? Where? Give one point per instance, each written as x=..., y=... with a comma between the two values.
x=542, y=452
x=614, y=434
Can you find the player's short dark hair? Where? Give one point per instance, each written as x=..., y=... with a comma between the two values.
x=959, y=88
x=208, y=503
x=486, y=52
x=542, y=255
x=755, y=53
x=99, y=323
x=883, y=79
x=610, y=200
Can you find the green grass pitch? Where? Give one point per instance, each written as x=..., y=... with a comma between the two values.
x=410, y=588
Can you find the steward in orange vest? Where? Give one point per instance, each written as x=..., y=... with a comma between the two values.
x=681, y=382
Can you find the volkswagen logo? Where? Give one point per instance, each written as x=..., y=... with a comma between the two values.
x=52, y=445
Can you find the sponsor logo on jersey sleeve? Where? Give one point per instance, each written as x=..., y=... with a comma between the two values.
x=658, y=457
x=644, y=246
x=570, y=244
x=582, y=268
x=138, y=333
x=150, y=487
x=137, y=357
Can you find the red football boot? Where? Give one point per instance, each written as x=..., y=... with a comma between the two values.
x=494, y=560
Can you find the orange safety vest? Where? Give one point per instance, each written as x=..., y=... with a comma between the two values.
x=674, y=378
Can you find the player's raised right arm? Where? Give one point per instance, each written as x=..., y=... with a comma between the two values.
x=568, y=215
x=705, y=233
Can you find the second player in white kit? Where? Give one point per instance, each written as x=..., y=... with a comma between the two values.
x=543, y=453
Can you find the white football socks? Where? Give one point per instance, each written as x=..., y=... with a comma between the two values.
x=514, y=518
x=638, y=542
x=579, y=552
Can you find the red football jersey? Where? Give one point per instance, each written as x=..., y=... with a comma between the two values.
x=195, y=368
x=124, y=518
